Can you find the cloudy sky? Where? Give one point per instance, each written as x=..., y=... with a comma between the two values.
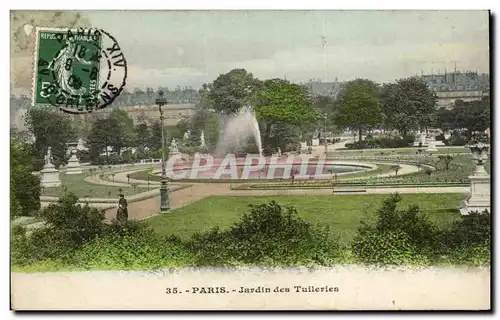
x=187, y=48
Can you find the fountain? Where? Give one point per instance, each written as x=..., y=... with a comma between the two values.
x=49, y=174
x=479, y=196
x=239, y=128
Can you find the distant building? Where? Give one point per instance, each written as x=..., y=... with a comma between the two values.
x=173, y=112
x=326, y=89
x=450, y=87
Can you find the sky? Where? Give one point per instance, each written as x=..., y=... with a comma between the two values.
x=188, y=48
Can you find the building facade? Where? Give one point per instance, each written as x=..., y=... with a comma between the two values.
x=173, y=112
x=450, y=87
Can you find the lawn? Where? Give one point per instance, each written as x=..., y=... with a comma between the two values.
x=75, y=184
x=341, y=213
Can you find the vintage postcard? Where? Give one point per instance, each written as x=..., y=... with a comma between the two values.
x=250, y=160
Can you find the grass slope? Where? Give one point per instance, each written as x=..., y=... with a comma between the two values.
x=341, y=213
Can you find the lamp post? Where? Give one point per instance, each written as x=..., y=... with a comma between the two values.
x=325, y=117
x=164, y=204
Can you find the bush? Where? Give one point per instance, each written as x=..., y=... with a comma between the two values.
x=267, y=235
x=387, y=248
x=24, y=186
x=83, y=156
x=68, y=226
x=130, y=245
x=440, y=137
x=456, y=139
x=384, y=142
x=473, y=229
x=410, y=227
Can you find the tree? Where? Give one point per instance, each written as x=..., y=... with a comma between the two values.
x=24, y=186
x=444, y=119
x=280, y=101
x=358, y=106
x=408, y=104
x=232, y=91
x=141, y=135
x=123, y=130
x=446, y=159
x=473, y=116
x=100, y=137
x=116, y=131
x=207, y=121
x=50, y=129
x=154, y=141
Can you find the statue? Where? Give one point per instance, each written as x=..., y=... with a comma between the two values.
x=122, y=212
x=279, y=152
x=48, y=156
x=174, y=148
x=202, y=138
x=187, y=134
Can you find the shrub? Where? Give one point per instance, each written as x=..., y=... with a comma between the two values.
x=440, y=137
x=410, y=227
x=130, y=245
x=267, y=235
x=68, y=226
x=470, y=230
x=383, y=142
x=387, y=248
x=456, y=139
x=83, y=156
x=24, y=186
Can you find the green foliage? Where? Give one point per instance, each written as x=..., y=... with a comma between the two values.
x=283, y=108
x=408, y=104
x=386, y=248
x=281, y=100
x=68, y=226
x=446, y=159
x=130, y=245
x=24, y=186
x=50, y=129
x=116, y=130
x=456, y=139
x=473, y=229
x=410, y=227
x=382, y=142
x=232, y=91
x=358, y=106
x=267, y=235
x=473, y=115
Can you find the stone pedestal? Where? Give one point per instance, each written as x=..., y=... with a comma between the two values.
x=73, y=166
x=49, y=176
x=479, y=196
x=479, y=199
x=421, y=140
x=432, y=146
x=303, y=146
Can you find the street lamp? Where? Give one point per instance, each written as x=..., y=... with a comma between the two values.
x=325, y=117
x=164, y=204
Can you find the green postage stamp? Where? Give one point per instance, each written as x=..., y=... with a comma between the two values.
x=77, y=70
